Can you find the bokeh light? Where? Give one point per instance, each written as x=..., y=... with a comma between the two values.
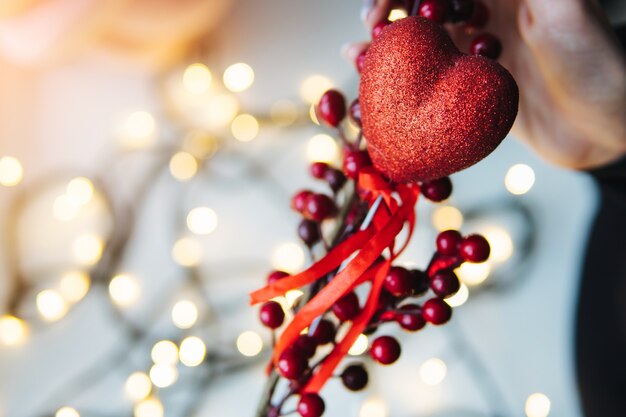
x=446, y=218
x=184, y=314
x=500, y=241
x=187, y=252
x=51, y=305
x=322, y=148
x=74, y=285
x=473, y=274
x=373, y=407
x=11, y=171
x=537, y=405
x=164, y=352
x=138, y=386
x=245, y=127
x=150, y=407
x=249, y=343
x=292, y=296
x=460, y=297
x=192, y=351
x=238, y=77
x=221, y=110
x=13, y=331
x=288, y=257
x=359, y=346
x=138, y=130
x=313, y=87
x=67, y=412
x=397, y=14
x=163, y=376
x=183, y=166
x=197, y=78
x=87, y=249
x=124, y=290
x=519, y=179
x=202, y=220
x=433, y=371
x=79, y=191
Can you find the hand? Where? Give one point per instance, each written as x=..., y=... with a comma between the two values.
x=570, y=70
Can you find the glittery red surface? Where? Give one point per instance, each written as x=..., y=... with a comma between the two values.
x=427, y=109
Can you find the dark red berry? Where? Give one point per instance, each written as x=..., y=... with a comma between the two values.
x=355, y=112
x=437, y=190
x=420, y=282
x=385, y=299
x=355, y=377
x=347, y=307
x=480, y=16
x=309, y=232
x=460, y=10
x=486, y=45
x=311, y=405
x=319, y=207
x=435, y=10
x=445, y=283
x=324, y=333
x=475, y=248
x=360, y=61
x=379, y=27
x=305, y=344
x=411, y=319
x=298, y=201
x=275, y=276
x=354, y=162
x=318, y=169
x=292, y=364
x=272, y=314
x=335, y=179
x=385, y=350
x=448, y=242
x=436, y=311
x=332, y=108
x=399, y=281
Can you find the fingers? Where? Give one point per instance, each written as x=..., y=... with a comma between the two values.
x=373, y=11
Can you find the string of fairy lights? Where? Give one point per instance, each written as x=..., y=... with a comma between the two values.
x=207, y=116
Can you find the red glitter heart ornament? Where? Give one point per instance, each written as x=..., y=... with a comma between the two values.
x=427, y=109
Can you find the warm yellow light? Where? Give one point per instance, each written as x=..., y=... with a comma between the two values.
x=184, y=314
x=124, y=290
x=473, y=274
x=64, y=209
x=245, y=127
x=150, y=407
x=373, y=407
x=501, y=243
x=249, y=343
x=397, y=14
x=192, y=351
x=51, y=305
x=197, y=78
x=163, y=376
x=74, y=286
x=433, y=371
x=67, y=412
x=221, y=110
x=313, y=114
x=187, y=252
x=138, y=386
x=537, y=405
x=11, y=171
x=459, y=298
x=183, y=166
x=238, y=77
x=87, y=249
x=164, y=352
x=13, y=331
x=292, y=296
x=200, y=144
x=360, y=346
x=202, y=220
x=446, y=218
x=138, y=130
x=79, y=191
x=322, y=148
x=313, y=87
x=288, y=257
x=519, y=179
x=284, y=113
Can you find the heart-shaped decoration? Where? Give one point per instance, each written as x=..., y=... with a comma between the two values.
x=427, y=109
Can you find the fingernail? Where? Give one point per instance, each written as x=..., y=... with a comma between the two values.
x=366, y=8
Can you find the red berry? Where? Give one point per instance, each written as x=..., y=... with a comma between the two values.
x=399, y=281
x=360, y=61
x=412, y=319
x=436, y=311
x=420, y=282
x=354, y=162
x=311, y=405
x=448, y=242
x=385, y=350
x=347, y=307
x=324, y=333
x=319, y=207
x=445, y=283
x=460, y=10
x=379, y=27
x=437, y=190
x=309, y=232
x=298, y=201
x=435, y=10
x=292, y=364
x=318, y=169
x=355, y=377
x=355, y=112
x=480, y=16
x=475, y=248
x=332, y=108
x=335, y=179
x=272, y=314
x=275, y=276
x=305, y=344
x=486, y=45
